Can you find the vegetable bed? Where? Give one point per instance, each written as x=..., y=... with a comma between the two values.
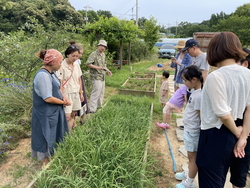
x=107, y=151
x=140, y=84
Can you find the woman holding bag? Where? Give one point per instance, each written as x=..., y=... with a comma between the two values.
x=71, y=84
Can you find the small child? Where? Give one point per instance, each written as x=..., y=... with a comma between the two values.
x=164, y=90
x=176, y=102
x=193, y=79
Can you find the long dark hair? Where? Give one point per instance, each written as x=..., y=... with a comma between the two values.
x=192, y=71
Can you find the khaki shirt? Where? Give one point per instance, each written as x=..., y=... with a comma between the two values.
x=73, y=85
x=95, y=58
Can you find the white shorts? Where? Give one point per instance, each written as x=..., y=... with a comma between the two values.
x=75, y=100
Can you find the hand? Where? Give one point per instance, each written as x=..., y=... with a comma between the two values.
x=110, y=73
x=66, y=102
x=81, y=97
x=239, y=148
x=174, y=60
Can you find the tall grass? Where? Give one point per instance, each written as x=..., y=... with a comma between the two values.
x=107, y=151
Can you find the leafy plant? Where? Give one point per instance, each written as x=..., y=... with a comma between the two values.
x=107, y=151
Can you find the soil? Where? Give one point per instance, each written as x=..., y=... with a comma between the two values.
x=19, y=169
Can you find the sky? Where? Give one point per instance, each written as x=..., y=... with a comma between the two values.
x=167, y=12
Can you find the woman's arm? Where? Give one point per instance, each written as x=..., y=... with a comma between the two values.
x=228, y=121
x=81, y=91
x=65, y=99
x=198, y=112
x=54, y=100
x=242, y=141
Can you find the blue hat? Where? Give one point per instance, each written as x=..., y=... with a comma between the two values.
x=190, y=43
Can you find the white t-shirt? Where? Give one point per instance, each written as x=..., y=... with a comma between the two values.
x=191, y=119
x=178, y=66
x=201, y=62
x=226, y=91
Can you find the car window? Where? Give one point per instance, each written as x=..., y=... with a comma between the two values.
x=167, y=47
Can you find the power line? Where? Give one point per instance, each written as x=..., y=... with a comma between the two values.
x=122, y=5
x=127, y=11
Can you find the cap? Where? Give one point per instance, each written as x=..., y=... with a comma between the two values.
x=190, y=43
x=180, y=44
x=102, y=43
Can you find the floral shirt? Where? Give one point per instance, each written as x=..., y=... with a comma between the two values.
x=95, y=58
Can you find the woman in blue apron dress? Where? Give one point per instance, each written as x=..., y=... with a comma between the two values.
x=49, y=123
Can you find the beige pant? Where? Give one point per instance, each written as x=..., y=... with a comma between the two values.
x=97, y=95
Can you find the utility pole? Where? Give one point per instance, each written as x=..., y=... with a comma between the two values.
x=132, y=13
x=86, y=10
x=136, y=12
x=169, y=32
x=176, y=28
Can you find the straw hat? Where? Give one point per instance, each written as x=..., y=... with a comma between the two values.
x=181, y=44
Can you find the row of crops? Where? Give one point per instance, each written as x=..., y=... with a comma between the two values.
x=107, y=151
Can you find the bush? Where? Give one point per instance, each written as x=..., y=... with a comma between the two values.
x=15, y=102
x=9, y=136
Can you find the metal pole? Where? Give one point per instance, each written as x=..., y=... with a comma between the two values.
x=171, y=152
x=136, y=12
x=86, y=10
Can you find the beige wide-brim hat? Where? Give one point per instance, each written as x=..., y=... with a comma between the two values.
x=102, y=43
x=180, y=44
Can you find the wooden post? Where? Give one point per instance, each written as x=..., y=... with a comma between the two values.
x=121, y=48
x=129, y=52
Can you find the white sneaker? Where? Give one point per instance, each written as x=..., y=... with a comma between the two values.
x=181, y=175
x=184, y=184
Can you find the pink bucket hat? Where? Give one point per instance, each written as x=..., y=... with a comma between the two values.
x=52, y=56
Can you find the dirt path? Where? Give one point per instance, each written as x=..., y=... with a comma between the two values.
x=19, y=168
x=159, y=145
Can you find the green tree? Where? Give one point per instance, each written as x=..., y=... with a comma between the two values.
x=112, y=30
x=215, y=18
x=104, y=13
x=237, y=25
x=141, y=22
x=91, y=16
x=45, y=12
x=183, y=28
x=151, y=32
x=243, y=10
x=18, y=49
x=5, y=4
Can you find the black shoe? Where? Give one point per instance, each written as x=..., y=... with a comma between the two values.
x=92, y=112
x=181, y=127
